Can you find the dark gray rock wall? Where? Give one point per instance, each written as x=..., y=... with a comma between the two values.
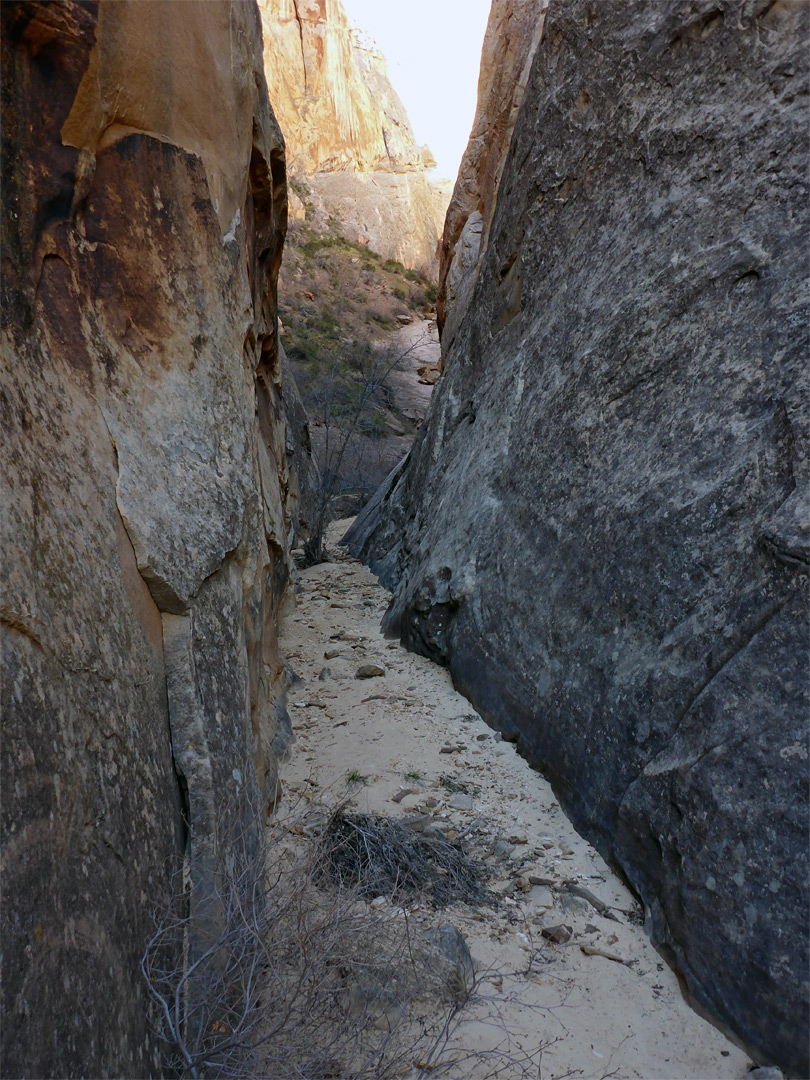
x=602, y=527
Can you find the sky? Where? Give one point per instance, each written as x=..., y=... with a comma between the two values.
x=433, y=48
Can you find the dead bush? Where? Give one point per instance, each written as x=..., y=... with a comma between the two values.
x=382, y=856
x=270, y=971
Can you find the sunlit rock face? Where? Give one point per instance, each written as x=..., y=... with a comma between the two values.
x=512, y=36
x=602, y=527
x=147, y=496
x=348, y=133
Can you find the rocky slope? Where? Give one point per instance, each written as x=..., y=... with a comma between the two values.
x=148, y=490
x=602, y=525
x=347, y=133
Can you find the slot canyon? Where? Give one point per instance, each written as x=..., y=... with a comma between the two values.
x=404, y=605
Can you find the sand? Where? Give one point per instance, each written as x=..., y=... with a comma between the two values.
x=619, y=1015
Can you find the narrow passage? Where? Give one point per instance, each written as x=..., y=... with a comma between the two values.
x=403, y=743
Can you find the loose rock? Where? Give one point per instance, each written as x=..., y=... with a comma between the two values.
x=559, y=934
x=369, y=671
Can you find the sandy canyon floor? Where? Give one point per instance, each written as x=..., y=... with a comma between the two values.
x=602, y=1003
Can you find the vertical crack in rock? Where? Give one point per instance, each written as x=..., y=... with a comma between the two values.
x=190, y=748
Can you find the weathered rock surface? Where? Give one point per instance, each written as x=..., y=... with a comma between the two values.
x=146, y=494
x=512, y=36
x=602, y=527
x=348, y=134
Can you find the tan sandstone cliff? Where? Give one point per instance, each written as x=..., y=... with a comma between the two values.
x=512, y=36
x=147, y=493
x=348, y=133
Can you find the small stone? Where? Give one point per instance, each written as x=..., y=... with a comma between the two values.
x=541, y=879
x=448, y=750
x=418, y=823
x=766, y=1072
x=501, y=848
x=483, y=736
x=402, y=793
x=379, y=901
x=369, y=671
x=518, y=838
x=330, y=654
x=430, y=802
x=462, y=802
x=450, y=959
x=434, y=831
x=497, y=736
x=541, y=896
x=558, y=934
x=324, y=674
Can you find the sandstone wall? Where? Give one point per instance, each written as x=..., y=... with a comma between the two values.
x=348, y=133
x=147, y=499
x=602, y=527
x=513, y=33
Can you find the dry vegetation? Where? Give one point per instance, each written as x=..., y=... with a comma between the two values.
x=338, y=298
x=340, y=304
x=286, y=969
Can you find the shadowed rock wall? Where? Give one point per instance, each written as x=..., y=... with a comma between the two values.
x=146, y=496
x=602, y=527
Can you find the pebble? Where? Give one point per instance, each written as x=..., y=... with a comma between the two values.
x=540, y=879
x=330, y=654
x=541, y=896
x=462, y=802
x=400, y=795
x=559, y=934
x=369, y=671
